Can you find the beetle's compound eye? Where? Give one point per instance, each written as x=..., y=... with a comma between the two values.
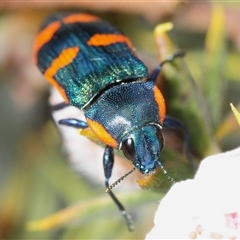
x=160, y=139
x=128, y=148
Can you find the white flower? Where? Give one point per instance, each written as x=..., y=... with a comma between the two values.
x=206, y=207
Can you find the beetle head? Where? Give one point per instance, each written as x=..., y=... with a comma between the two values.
x=143, y=147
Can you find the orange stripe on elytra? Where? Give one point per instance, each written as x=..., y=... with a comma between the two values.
x=44, y=36
x=107, y=39
x=80, y=18
x=101, y=133
x=65, y=58
x=161, y=103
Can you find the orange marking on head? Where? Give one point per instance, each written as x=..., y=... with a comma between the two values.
x=161, y=103
x=101, y=133
x=66, y=57
x=80, y=18
x=107, y=39
x=44, y=36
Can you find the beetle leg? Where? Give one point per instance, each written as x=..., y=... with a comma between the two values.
x=171, y=122
x=158, y=69
x=59, y=106
x=108, y=161
x=72, y=122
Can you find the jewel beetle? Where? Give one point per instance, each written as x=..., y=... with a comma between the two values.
x=94, y=67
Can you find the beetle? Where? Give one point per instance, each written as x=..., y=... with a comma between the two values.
x=94, y=67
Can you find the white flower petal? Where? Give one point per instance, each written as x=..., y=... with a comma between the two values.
x=207, y=206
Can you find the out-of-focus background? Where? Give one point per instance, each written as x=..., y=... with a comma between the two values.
x=41, y=196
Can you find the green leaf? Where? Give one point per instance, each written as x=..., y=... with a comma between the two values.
x=215, y=64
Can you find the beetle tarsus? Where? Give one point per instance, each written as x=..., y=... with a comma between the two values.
x=157, y=70
x=72, y=122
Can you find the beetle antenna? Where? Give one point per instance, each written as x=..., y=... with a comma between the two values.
x=165, y=172
x=119, y=180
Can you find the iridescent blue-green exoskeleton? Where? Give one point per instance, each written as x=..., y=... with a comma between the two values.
x=94, y=67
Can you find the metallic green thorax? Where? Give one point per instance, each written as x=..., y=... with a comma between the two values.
x=129, y=110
